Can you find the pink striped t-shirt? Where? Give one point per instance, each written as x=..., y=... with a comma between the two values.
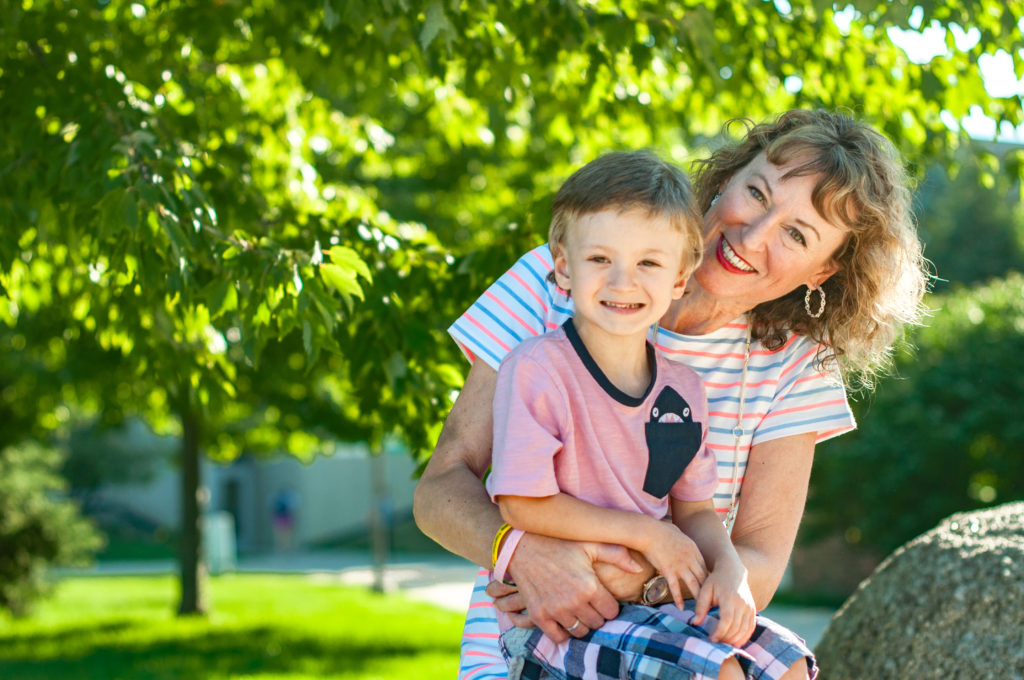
x=561, y=426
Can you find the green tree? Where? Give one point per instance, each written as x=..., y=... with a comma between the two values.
x=265, y=214
x=942, y=435
x=38, y=528
x=97, y=455
x=972, y=223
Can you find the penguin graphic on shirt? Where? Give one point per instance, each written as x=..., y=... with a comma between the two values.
x=673, y=439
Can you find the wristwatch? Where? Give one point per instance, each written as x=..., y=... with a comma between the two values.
x=655, y=591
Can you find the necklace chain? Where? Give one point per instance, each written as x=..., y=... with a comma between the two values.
x=737, y=430
x=737, y=433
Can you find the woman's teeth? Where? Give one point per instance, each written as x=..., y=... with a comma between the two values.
x=732, y=258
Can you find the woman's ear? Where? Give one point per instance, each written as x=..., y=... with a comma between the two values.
x=823, y=274
x=562, y=278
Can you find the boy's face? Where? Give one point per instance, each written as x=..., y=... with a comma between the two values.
x=623, y=269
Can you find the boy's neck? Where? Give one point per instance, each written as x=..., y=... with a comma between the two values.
x=622, y=358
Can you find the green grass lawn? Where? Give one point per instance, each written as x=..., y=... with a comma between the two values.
x=114, y=628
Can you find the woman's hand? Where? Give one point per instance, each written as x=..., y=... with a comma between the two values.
x=625, y=586
x=556, y=585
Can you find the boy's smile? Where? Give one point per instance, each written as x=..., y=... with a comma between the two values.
x=623, y=270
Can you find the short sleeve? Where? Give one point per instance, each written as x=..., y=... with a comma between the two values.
x=810, y=398
x=530, y=417
x=521, y=304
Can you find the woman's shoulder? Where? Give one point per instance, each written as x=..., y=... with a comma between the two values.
x=540, y=348
x=520, y=304
x=528, y=282
x=537, y=261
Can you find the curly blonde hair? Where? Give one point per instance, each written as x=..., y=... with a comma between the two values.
x=863, y=186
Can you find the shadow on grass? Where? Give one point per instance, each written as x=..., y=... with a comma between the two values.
x=69, y=653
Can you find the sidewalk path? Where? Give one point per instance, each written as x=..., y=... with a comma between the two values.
x=445, y=581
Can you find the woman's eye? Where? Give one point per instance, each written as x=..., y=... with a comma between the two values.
x=797, y=236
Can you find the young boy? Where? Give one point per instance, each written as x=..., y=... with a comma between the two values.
x=597, y=436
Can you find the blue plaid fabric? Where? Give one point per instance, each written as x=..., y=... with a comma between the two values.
x=652, y=643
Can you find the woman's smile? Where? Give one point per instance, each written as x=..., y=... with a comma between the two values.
x=730, y=260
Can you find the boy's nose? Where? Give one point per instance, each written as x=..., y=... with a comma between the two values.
x=621, y=278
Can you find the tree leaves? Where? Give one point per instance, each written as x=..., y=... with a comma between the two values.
x=419, y=141
x=341, y=279
x=434, y=24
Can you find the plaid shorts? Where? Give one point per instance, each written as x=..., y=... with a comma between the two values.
x=652, y=643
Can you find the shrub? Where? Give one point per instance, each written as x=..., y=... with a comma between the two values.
x=39, y=528
x=942, y=435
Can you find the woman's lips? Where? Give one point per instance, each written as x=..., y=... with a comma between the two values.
x=729, y=260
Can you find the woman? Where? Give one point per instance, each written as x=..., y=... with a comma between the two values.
x=811, y=268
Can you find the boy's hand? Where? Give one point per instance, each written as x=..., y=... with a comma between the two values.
x=677, y=558
x=728, y=588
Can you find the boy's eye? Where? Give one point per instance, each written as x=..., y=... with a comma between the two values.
x=649, y=263
x=756, y=193
x=598, y=258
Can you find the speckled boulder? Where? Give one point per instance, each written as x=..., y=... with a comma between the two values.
x=949, y=604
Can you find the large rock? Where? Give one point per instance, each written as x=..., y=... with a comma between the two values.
x=948, y=604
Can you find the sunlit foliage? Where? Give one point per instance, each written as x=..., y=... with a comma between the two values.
x=262, y=215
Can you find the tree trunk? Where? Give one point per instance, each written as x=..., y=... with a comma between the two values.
x=379, y=520
x=193, y=571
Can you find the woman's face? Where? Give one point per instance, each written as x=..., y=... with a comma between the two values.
x=765, y=237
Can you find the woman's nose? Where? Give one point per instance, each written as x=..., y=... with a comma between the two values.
x=755, y=233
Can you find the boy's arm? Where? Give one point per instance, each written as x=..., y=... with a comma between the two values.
x=699, y=521
x=727, y=584
x=564, y=516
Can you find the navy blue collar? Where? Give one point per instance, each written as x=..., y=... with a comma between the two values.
x=588, y=361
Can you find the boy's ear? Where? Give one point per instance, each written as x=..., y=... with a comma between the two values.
x=562, y=278
x=685, y=272
x=680, y=285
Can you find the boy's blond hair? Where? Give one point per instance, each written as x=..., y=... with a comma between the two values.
x=628, y=181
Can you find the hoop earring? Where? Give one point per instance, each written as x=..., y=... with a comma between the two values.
x=807, y=302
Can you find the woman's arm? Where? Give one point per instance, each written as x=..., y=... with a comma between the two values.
x=450, y=503
x=774, y=492
x=772, y=503
x=556, y=578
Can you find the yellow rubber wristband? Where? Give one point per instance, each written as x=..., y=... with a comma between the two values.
x=496, y=543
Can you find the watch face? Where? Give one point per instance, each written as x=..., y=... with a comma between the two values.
x=657, y=590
